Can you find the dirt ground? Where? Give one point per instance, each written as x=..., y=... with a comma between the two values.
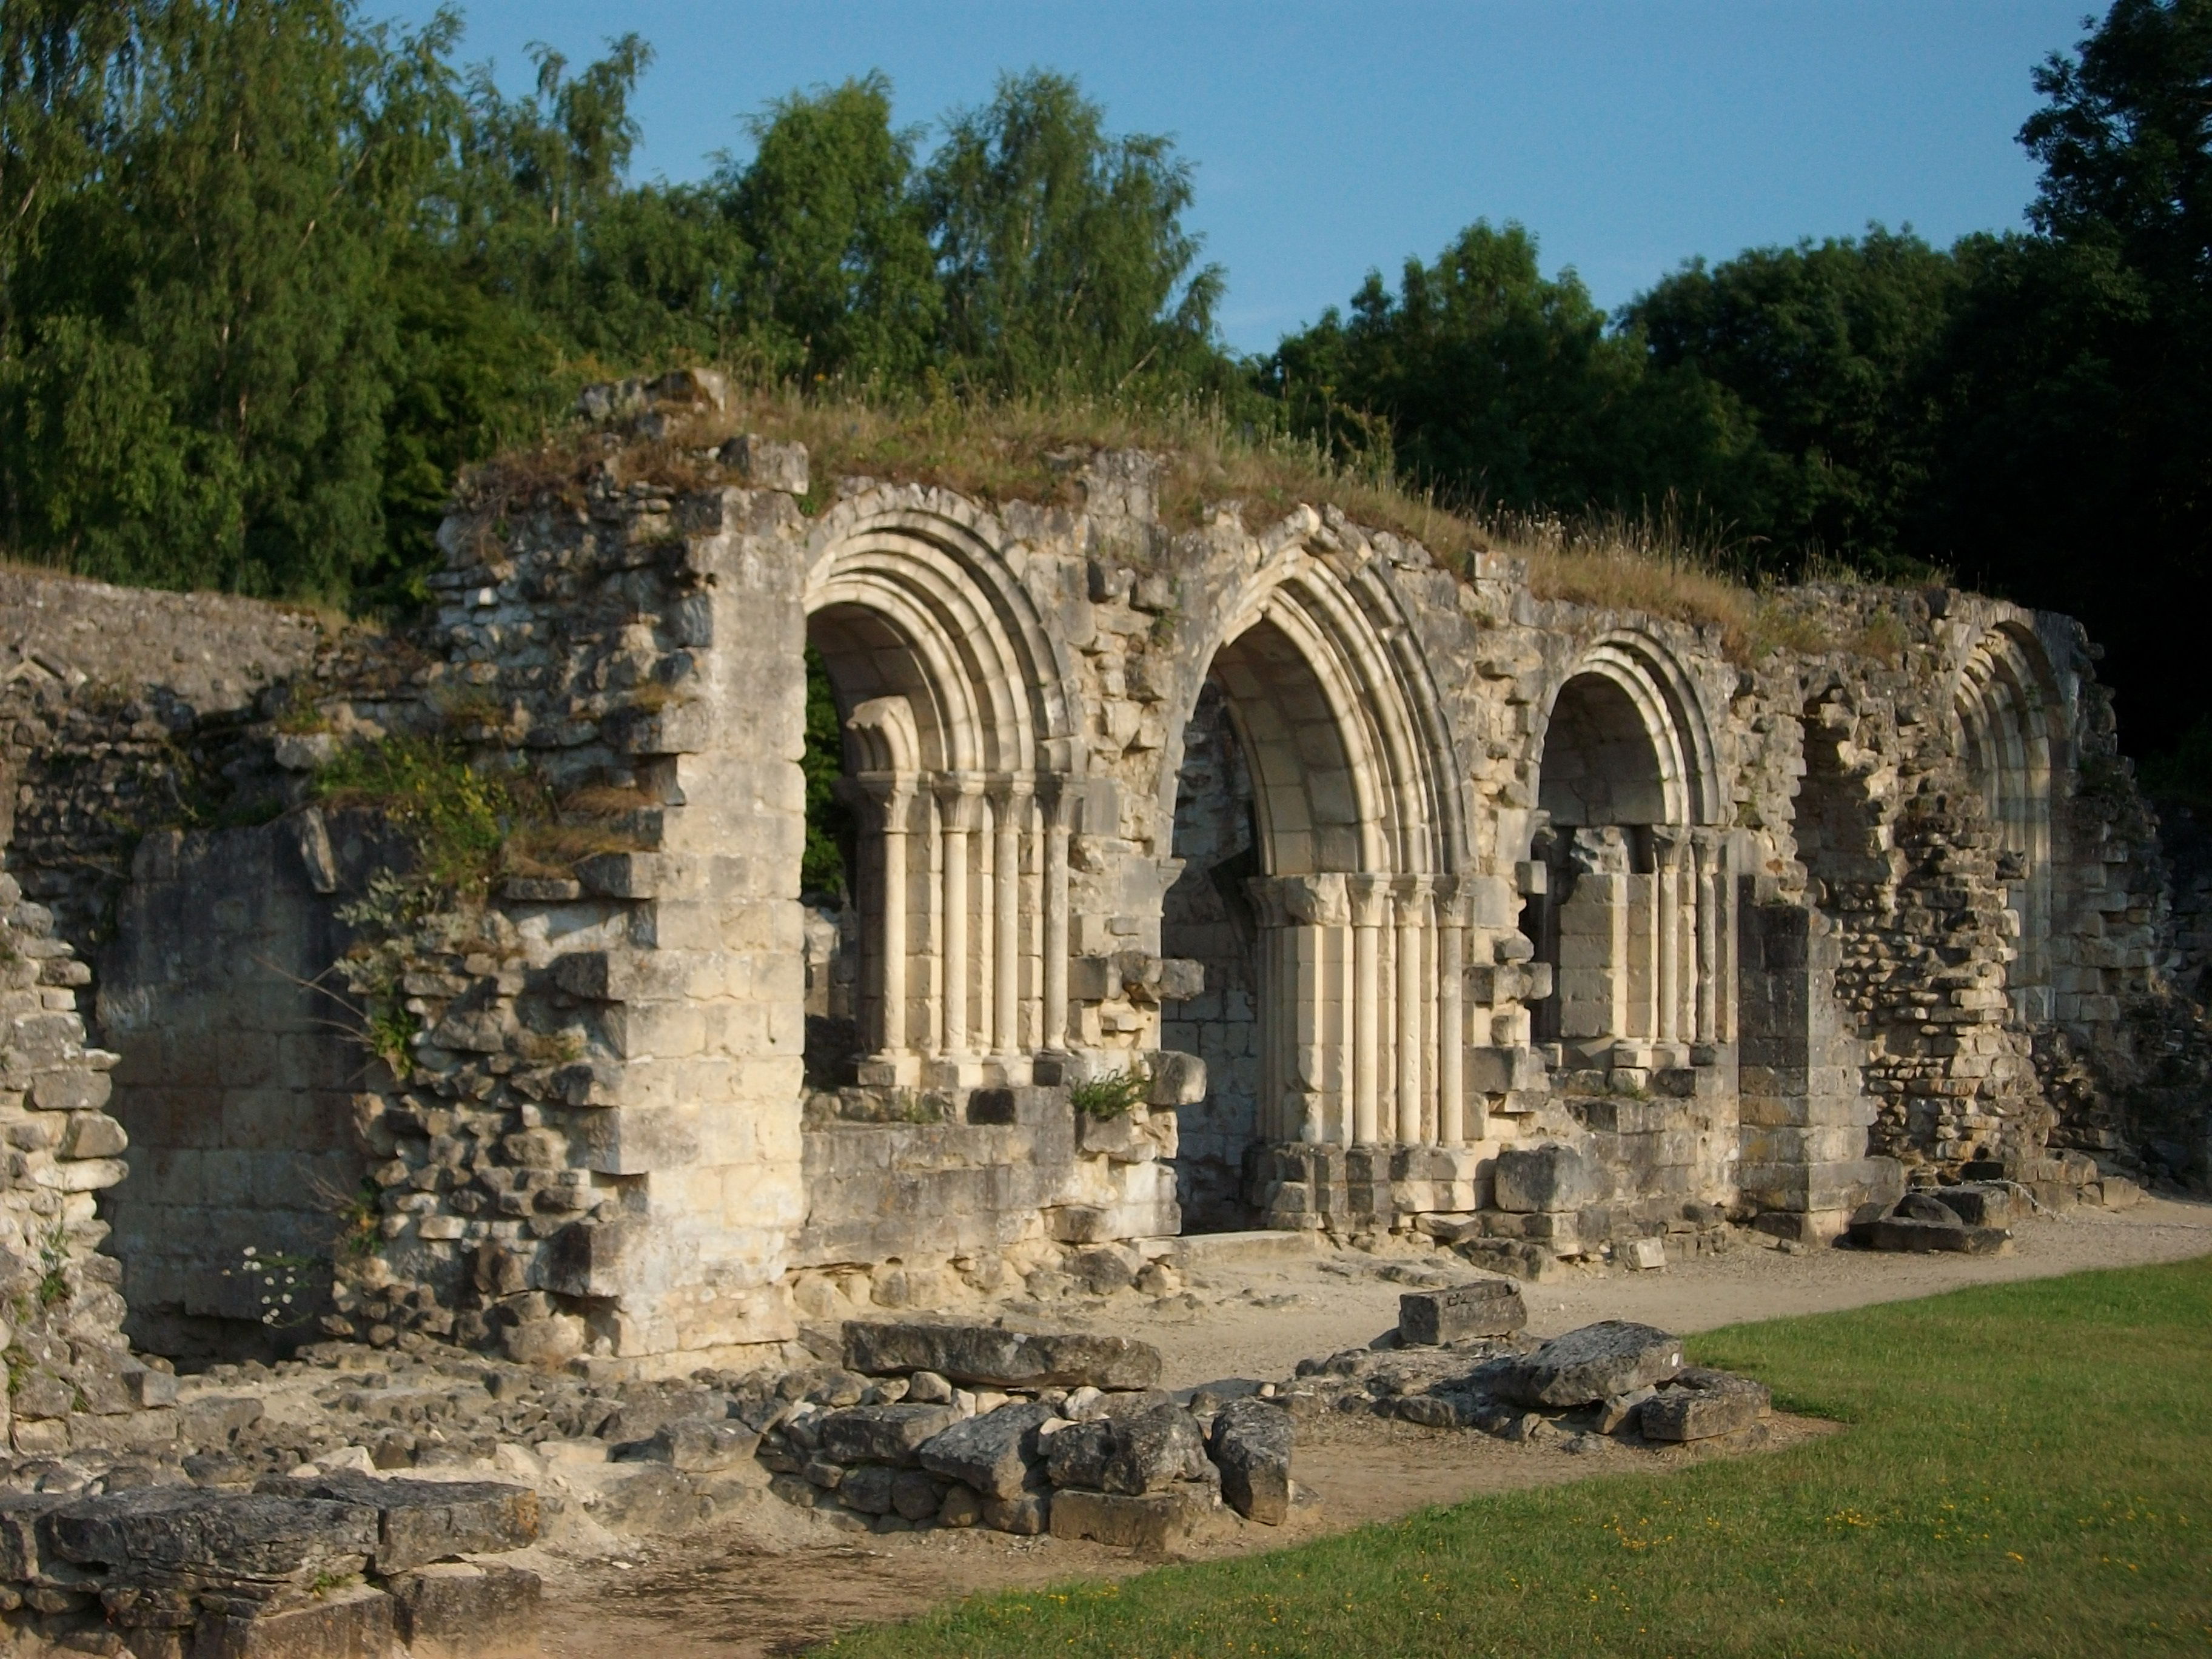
x=752, y=1584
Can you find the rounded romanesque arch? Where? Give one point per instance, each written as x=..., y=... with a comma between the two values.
x=1631, y=914
x=1319, y=818
x=2005, y=705
x=958, y=722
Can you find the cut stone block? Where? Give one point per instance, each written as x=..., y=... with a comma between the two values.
x=1153, y=1521
x=1001, y=1358
x=1551, y=1177
x=1488, y=1306
x=420, y=1520
x=354, y=1622
x=1025, y=1516
x=882, y=1434
x=1593, y=1364
x=993, y=1453
x=1252, y=1442
x=1891, y=1234
x=454, y=1609
x=1701, y=1404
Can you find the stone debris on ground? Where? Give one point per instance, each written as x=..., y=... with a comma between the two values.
x=353, y=1500
x=1970, y=1219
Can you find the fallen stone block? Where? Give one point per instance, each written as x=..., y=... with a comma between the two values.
x=350, y=1622
x=1155, y=1521
x=1976, y=1205
x=999, y=1359
x=1592, y=1363
x=1620, y=1413
x=1488, y=1306
x=1697, y=1414
x=914, y=1495
x=1025, y=1516
x=868, y=1488
x=698, y=1445
x=456, y=1609
x=1645, y=1255
x=420, y=1520
x=1251, y=1445
x=1153, y=1450
x=961, y=1507
x=242, y=1536
x=1888, y=1233
x=1700, y=1403
x=992, y=1453
x=881, y=1434
x=1430, y=1410
x=1076, y=1455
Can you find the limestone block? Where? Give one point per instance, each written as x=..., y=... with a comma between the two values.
x=1251, y=1443
x=992, y=1453
x=420, y=1520
x=882, y=1434
x=1550, y=1177
x=1155, y=1522
x=349, y=1622
x=453, y=1609
x=996, y=1358
x=1593, y=1362
x=1488, y=1306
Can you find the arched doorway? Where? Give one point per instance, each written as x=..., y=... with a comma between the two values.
x=1632, y=914
x=2002, y=708
x=1316, y=824
x=956, y=759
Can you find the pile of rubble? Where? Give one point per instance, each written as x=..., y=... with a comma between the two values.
x=964, y=1424
x=1458, y=1360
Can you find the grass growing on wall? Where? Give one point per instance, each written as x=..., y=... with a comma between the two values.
x=2025, y=1473
x=1032, y=449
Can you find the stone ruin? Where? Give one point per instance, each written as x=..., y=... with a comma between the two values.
x=1267, y=873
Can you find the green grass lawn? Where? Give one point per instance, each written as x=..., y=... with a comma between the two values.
x=2028, y=1471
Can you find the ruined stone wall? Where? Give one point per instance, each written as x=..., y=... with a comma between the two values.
x=1307, y=826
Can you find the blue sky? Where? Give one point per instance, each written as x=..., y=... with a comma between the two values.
x=1330, y=140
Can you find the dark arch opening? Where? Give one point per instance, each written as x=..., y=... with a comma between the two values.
x=1265, y=789
x=1600, y=790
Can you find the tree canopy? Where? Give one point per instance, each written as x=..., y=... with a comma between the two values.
x=271, y=274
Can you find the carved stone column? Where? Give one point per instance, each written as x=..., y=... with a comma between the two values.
x=1451, y=1013
x=960, y=810
x=891, y=797
x=1010, y=811
x=1414, y=979
x=1052, y=795
x=1370, y=896
x=1703, y=851
x=1667, y=922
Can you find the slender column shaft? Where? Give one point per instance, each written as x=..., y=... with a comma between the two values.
x=959, y=801
x=1412, y=905
x=1054, y=945
x=1370, y=905
x=1451, y=1021
x=1708, y=941
x=1665, y=901
x=890, y=922
x=1009, y=811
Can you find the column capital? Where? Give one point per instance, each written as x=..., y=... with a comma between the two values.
x=1317, y=901
x=1370, y=898
x=961, y=796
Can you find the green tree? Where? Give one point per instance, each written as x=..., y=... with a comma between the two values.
x=1064, y=259
x=841, y=280
x=1486, y=380
x=1829, y=349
